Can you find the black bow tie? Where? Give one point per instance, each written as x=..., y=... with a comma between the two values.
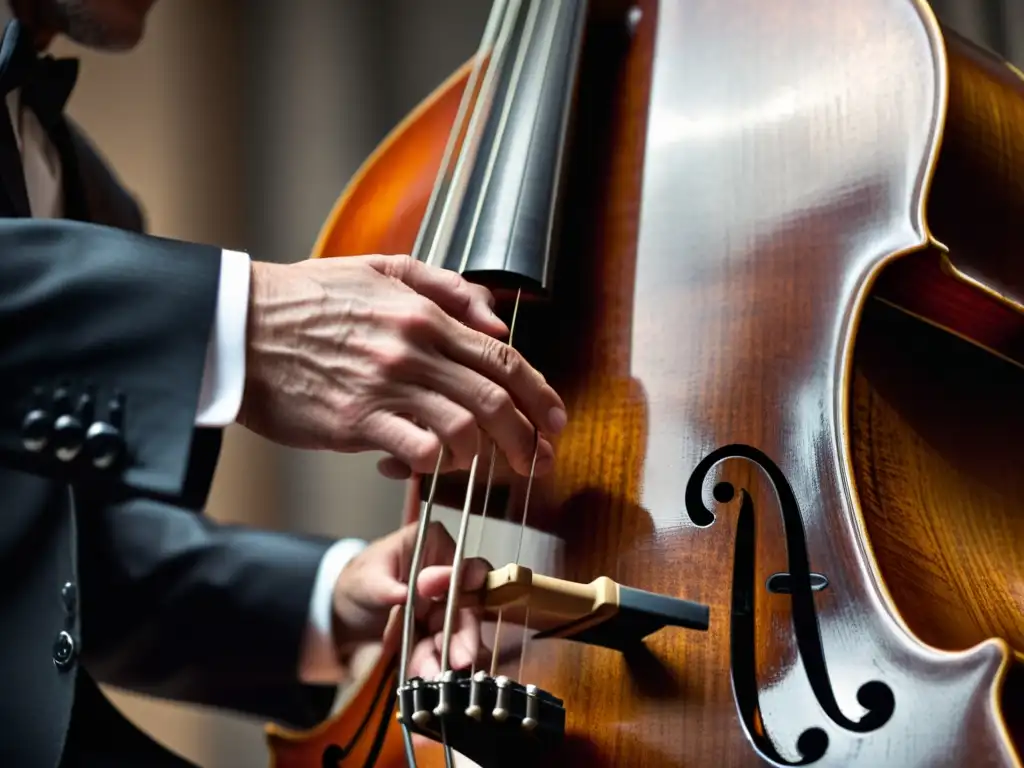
x=46, y=83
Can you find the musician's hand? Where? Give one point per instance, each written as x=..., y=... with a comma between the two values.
x=386, y=353
x=370, y=593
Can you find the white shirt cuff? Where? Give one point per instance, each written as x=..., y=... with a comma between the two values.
x=318, y=662
x=220, y=396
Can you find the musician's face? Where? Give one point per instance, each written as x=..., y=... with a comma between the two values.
x=107, y=24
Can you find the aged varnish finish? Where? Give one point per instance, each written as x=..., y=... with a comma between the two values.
x=784, y=313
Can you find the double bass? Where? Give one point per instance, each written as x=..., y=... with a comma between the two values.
x=769, y=254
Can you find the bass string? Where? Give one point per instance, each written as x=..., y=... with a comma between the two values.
x=513, y=88
x=487, y=497
x=437, y=229
x=497, y=27
x=458, y=560
x=431, y=218
x=429, y=231
x=451, y=609
x=502, y=129
x=554, y=6
x=446, y=172
x=519, y=549
x=487, y=494
x=466, y=157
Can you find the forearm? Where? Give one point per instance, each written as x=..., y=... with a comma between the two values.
x=182, y=608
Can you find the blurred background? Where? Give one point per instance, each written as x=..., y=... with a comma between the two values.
x=238, y=123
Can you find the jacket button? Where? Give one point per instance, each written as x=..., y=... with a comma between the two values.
x=68, y=436
x=69, y=596
x=103, y=444
x=35, y=430
x=63, y=651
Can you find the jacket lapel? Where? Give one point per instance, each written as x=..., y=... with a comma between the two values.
x=12, y=174
x=91, y=191
x=75, y=204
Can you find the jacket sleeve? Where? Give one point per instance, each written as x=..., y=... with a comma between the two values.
x=103, y=338
x=180, y=607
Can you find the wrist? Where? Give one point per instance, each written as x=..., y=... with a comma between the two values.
x=260, y=282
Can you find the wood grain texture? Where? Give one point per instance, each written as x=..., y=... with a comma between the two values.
x=741, y=173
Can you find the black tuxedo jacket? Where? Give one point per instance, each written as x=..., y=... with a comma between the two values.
x=108, y=570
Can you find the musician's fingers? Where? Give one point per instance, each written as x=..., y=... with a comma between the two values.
x=495, y=411
x=466, y=642
x=432, y=590
x=474, y=574
x=484, y=655
x=433, y=583
x=391, y=638
x=393, y=469
x=452, y=423
x=410, y=444
x=434, y=580
x=425, y=660
x=512, y=380
x=467, y=303
x=438, y=549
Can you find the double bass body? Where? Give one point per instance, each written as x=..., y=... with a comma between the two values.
x=750, y=428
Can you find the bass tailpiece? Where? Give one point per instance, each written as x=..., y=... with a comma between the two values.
x=493, y=721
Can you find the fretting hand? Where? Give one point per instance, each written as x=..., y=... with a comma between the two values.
x=386, y=353
x=371, y=590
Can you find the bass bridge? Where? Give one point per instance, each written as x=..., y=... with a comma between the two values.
x=495, y=720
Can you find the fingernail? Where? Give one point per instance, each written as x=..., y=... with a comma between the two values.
x=557, y=419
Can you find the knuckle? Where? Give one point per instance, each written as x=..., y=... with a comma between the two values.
x=392, y=359
x=461, y=425
x=418, y=317
x=494, y=401
x=456, y=282
x=423, y=456
x=397, y=266
x=502, y=357
x=458, y=287
x=483, y=293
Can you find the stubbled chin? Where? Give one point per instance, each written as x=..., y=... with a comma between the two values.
x=106, y=40
x=114, y=36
